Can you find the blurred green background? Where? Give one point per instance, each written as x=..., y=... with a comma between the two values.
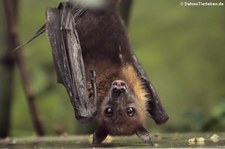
x=181, y=48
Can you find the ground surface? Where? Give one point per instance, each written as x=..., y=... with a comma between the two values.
x=160, y=140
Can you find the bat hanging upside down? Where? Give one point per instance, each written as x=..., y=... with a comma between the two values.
x=94, y=61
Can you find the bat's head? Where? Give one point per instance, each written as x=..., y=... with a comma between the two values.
x=120, y=113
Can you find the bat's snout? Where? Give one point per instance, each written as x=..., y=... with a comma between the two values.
x=118, y=88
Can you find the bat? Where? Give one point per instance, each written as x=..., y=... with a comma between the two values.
x=103, y=77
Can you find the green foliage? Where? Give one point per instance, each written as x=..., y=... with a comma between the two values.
x=181, y=48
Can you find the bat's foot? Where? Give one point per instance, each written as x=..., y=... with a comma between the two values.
x=143, y=134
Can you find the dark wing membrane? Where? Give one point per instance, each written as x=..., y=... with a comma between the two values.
x=154, y=106
x=68, y=60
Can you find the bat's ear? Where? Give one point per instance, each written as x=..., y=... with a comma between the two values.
x=155, y=108
x=143, y=134
x=99, y=136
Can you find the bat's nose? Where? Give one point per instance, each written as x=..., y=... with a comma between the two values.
x=119, y=83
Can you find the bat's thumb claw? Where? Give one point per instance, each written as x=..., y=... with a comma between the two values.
x=86, y=118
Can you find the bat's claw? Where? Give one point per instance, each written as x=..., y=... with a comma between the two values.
x=85, y=118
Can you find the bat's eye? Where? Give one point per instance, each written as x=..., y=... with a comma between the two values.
x=130, y=111
x=109, y=112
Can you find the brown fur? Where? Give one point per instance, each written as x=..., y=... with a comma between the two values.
x=106, y=73
x=106, y=50
x=134, y=82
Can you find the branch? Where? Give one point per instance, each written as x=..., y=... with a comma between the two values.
x=20, y=61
